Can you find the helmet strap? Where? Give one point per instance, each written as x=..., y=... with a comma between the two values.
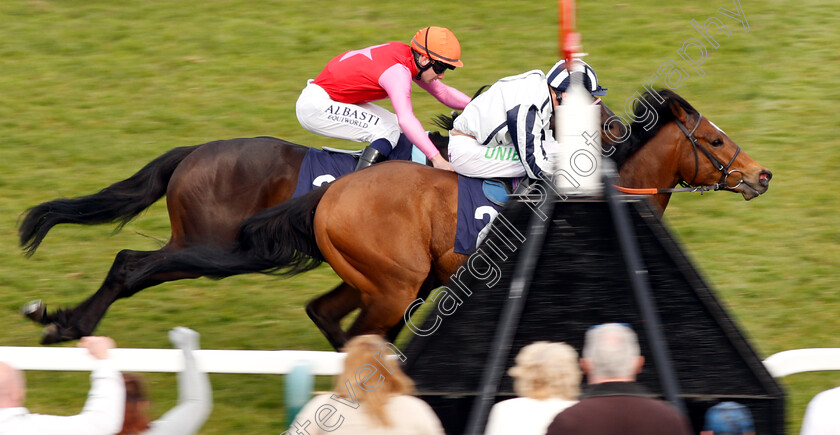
x=557, y=94
x=420, y=68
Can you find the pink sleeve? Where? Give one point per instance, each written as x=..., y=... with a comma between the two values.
x=396, y=81
x=446, y=94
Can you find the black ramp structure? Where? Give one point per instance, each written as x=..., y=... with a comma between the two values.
x=581, y=278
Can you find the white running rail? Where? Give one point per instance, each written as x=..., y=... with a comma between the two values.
x=283, y=361
x=802, y=360
x=171, y=360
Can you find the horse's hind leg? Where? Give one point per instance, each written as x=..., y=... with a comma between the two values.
x=77, y=322
x=327, y=310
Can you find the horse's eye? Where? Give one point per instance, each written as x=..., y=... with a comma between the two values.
x=717, y=143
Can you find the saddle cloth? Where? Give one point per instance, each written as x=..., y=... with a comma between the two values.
x=321, y=166
x=479, y=202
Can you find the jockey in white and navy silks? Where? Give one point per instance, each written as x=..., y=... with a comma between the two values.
x=337, y=103
x=506, y=132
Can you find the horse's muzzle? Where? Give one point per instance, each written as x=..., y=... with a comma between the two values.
x=764, y=178
x=753, y=187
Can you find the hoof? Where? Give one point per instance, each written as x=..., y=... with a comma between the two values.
x=54, y=334
x=35, y=311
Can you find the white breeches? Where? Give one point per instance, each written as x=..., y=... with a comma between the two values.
x=364, y=122
x=471, y=159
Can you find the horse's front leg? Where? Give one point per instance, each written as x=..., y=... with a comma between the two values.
x=74, y=323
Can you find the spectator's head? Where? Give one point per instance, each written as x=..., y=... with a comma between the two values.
x=12, y=387
x=373, y=374
x=136, y=405
x=546, y=370
x=611, y=354
x=728, y=418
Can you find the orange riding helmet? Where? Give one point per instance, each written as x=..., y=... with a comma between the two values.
x=438, y=43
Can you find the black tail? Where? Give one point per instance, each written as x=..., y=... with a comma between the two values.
x=119, y=202
x=284, y=236
x=279, y=240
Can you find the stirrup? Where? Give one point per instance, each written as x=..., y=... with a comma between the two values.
x=369, y=156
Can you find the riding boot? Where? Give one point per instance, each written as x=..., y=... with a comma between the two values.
x=369, y=156
x=376, y=152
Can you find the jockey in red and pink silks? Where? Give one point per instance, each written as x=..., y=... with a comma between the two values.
x=338, y=103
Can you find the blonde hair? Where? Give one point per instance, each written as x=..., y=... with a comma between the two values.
x=546, y=370
x=366, y=353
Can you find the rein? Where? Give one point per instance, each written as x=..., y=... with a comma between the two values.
x=725, y=172
x=656, y=190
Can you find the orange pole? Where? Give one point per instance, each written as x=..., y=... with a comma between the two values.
x=569, y=38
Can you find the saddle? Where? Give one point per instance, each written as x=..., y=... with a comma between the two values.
x=354, y=153
x=498, y=190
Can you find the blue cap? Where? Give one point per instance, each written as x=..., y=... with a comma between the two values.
x=729, y=418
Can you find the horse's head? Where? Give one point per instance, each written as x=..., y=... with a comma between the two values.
x=682, y=146
x=708, y=157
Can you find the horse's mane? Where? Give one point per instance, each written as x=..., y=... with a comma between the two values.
x=447, y=122
x=664, y=115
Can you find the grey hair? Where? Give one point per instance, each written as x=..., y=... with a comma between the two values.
x=612, y=350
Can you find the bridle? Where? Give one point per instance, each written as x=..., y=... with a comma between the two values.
x=725, y=172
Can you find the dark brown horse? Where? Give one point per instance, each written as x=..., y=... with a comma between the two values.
x=210, y=188
x=389, y=231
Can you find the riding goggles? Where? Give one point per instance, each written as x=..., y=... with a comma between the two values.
x=440, y=67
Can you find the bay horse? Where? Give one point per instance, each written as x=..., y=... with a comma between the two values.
x=389, y=231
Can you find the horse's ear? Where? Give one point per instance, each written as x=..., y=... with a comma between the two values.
x=678, y=111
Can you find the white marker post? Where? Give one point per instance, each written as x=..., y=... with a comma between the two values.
x=577, y=125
